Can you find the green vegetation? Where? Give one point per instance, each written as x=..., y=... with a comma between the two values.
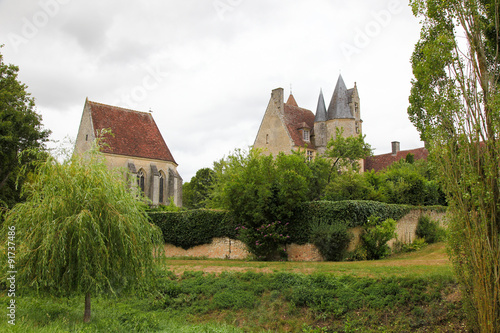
x=80, y=230
x=196, y=192
x=20, y=130
x=194, y=227
x=331, y=240
x=375, y=236
x=333, y=299
x=455, y=105
x=430, y=230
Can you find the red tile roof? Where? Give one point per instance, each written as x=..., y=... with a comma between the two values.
x=291, y=101
x=295, y=118
x=380, y=162
x=135, y=133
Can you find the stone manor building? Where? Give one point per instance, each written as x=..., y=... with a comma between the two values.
x=136, y=145
x=286, y=126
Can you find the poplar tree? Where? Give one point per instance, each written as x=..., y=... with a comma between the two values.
x=81, y=230
x=455, y=104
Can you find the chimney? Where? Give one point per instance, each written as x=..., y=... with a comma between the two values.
x=395, y=147
x=277, y=98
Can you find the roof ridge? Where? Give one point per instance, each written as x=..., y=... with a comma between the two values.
x=118, y=107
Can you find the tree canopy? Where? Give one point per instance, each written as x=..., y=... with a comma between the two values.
x=195, y=193
x=20, y=129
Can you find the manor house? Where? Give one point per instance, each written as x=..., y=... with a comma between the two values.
x=137, y=145
x=286, y=126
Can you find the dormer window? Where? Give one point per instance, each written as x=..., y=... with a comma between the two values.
x=306, y=134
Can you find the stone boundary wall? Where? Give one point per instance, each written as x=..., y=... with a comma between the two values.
x=226, y=248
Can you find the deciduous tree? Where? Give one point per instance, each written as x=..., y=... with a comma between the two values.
x=20, y=129
x=81, y=230
x=455, y=104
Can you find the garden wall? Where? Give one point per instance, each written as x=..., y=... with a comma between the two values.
x=226, y=248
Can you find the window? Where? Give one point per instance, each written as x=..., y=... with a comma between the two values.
x=309, y=155
x=140, y=180
x=305, y=134
x=162, y=181
x=267, y=139
x=86, y=137
x=356, y=108
x=357, y=128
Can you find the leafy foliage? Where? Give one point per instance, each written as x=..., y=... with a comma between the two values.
x=345, y=152
x=375, y=236
x=266, y=242
x=353, y=213
x=194, y=227
x=195, y=193
x=81, y=229
x=331, y=240
x=454, y=103
x=430, y=230
x=20, y=130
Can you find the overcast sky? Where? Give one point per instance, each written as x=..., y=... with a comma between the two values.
x=206, y=68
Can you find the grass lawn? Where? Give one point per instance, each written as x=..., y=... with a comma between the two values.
x=430, y=260
x=413, y=292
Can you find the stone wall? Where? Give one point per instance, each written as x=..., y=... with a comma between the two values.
x=225, y=248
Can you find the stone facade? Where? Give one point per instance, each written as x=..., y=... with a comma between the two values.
x=136, y=145
x=287, y=127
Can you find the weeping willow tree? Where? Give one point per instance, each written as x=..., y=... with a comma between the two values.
x=455, y=104
x=81, y=230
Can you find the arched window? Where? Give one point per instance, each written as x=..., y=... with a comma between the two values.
x=140, y=180
x=161, y=187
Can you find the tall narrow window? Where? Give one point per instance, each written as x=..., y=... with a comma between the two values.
x=310, y=155
x=306, y=134
x=162, y=181
x=267, y=138
x=140, y=180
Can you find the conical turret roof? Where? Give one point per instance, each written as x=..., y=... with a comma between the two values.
x=291, y=101
x=339, y=105
x=321, y=114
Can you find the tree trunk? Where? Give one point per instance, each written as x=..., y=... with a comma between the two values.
x=86, y=315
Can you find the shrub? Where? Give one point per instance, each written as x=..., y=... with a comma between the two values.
x=194, y=227
x=331, y=240
x=416, y=245
x=429, y=230
x=376, y=235
x=266, y=242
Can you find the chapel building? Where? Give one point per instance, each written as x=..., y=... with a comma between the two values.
x=136, y=145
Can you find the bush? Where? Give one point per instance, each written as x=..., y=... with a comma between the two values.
x=266, y=242
x=429, y=230
x=375, y=237
x=331, y=240
x=416, y=245
x=194, y=227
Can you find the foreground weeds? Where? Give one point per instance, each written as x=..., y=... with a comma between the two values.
x=256, y=302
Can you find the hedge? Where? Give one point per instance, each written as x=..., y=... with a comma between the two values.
x=197, y=227
x=351, y=212
x=194, y=227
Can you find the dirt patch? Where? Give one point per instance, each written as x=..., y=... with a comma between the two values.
x=218, y=269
